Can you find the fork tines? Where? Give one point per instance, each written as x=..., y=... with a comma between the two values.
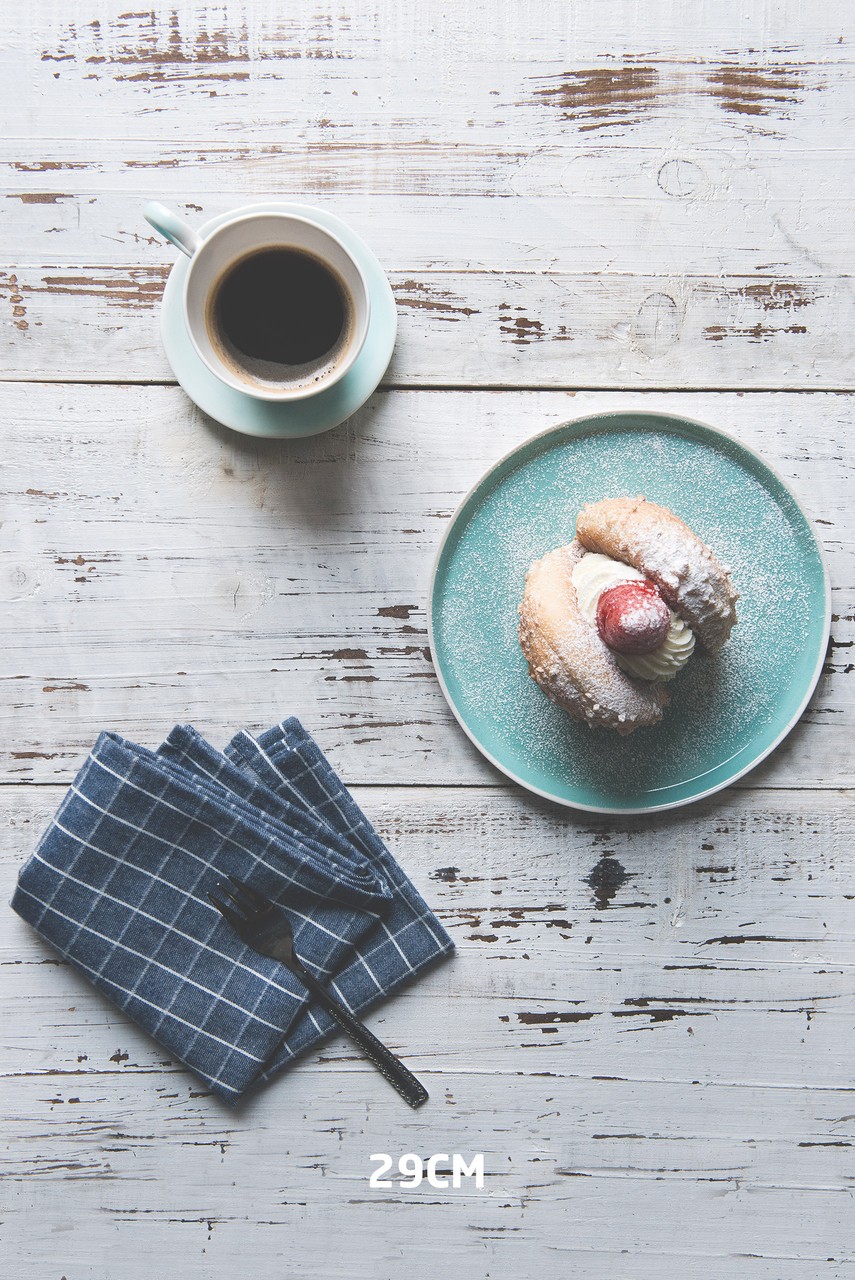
x=248, y=901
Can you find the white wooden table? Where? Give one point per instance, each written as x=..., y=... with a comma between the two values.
x=647, y=1029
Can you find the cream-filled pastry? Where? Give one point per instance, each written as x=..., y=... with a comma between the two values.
x=664, y=643
x=660, y=545
x=606, y=621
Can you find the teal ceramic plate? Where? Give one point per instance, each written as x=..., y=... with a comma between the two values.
x=726, y=713
x=254, y=417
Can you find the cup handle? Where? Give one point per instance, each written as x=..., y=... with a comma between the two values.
x=171, y=227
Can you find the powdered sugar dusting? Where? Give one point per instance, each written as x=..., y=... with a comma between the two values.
x=660, y=545
x=721, y=706
x=567, y=657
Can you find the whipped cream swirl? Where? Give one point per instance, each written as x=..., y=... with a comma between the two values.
x=591, y=577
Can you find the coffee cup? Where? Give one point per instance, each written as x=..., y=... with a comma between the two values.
x=274, y=303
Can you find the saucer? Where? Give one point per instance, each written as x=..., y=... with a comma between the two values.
x=251, y=416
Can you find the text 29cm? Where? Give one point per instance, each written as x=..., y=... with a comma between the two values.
x=414, y=1170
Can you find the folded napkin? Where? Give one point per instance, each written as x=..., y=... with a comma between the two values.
x=119, y=882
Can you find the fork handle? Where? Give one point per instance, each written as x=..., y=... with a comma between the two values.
x=399, y=1076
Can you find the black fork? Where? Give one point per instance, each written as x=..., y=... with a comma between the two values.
x=265, y=927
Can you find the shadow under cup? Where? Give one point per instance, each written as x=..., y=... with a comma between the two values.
x=276, y=307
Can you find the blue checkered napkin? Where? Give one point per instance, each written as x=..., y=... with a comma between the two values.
x=119, y=885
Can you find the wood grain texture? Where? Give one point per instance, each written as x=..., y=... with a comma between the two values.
x=473, y=325
x=647, y=1027
x=162, y=569
x=624, y=935
x=623, y=1045
x=553, y=211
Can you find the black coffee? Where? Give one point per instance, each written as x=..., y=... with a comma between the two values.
x=280, y=305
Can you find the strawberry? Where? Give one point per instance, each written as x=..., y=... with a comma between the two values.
x=632, y=617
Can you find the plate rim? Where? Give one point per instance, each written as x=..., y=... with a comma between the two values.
x=756, y=760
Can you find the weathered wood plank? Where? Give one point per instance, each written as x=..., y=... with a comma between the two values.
x=576, y=275
x=327, y=70
x=187, y=1190
x=572, y=216
x=725, y=1095
x=607, y=212
x=588, y=1179
x=159, y=568
x=478, y=328
x=653, y=950
x=60, y=167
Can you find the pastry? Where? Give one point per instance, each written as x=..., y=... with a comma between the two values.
x=608, y=620
x=569, y=660
x=664, y=549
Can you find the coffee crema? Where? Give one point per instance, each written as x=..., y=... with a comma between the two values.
x=281, y=315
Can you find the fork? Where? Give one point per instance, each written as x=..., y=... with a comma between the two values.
x=265, y=927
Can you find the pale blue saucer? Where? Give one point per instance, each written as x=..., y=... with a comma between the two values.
x=310, y=417
x=726, y=713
